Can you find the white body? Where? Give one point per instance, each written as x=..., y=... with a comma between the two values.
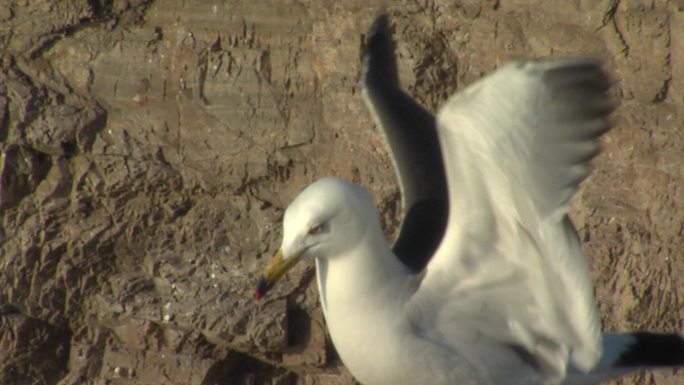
x=507, y=297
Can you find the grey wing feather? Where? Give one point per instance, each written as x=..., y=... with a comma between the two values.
x=411, y=133
x=510, y=270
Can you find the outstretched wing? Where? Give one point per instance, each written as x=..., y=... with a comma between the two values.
x=510, y=270
x=411, y=133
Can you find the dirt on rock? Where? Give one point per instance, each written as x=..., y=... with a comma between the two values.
x=149, y=148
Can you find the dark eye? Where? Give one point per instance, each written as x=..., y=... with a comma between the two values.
x=315, y=229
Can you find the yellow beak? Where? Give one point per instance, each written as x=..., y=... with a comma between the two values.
x=274, y=271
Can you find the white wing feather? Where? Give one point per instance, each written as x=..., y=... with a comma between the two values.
x=510, y=270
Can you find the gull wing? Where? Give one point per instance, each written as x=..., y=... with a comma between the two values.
x=411, y=133
x=510, y=271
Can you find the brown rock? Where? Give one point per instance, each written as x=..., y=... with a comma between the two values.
x=31, y=351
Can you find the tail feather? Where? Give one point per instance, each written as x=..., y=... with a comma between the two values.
x=626, y=353
x=652, y=350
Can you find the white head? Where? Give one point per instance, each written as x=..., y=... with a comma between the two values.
x=328, y=217
x=325, y=220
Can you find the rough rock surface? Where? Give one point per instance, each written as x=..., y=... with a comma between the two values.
x=148, y=149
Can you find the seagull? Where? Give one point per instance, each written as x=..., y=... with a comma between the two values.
x=486, y=283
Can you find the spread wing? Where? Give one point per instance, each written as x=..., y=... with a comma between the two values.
x=411, y=133
x=510, y=271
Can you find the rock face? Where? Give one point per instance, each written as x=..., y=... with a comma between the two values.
x=149, y=149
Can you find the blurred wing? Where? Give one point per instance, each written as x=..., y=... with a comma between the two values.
x=510, y=271
x=411, y=133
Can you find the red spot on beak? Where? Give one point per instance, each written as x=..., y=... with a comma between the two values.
x=262, y=288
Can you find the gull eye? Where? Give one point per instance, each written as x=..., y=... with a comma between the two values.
x=315, y=229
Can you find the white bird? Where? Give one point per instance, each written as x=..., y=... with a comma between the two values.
x=487, y=283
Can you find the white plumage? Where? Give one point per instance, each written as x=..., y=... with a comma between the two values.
x=509, y=275
x=506, y=298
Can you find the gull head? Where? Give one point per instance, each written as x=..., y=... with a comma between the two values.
x=326, y=219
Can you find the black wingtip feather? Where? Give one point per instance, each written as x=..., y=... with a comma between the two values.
x=379, y=61
x=380, y=25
